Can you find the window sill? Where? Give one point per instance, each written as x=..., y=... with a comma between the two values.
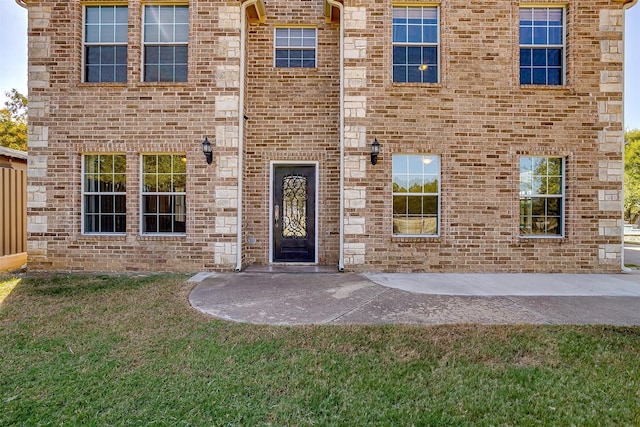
x=162, y=236
x=105, y=84
x=416, y=84
x=533, y=238
x=543, y=87
x=405, y=238
x=104, y=236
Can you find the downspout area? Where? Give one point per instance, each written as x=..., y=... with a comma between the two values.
x=22, y=3
x=627, y=5
x=255, y=11
x=335, y=9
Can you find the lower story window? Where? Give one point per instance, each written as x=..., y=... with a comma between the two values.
x=541, y=196
x=164, y=178
x=104, y=193
x=416, y=195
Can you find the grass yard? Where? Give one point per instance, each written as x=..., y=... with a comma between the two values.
x=123, y=350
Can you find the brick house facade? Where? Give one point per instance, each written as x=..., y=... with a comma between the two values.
x=499, y=124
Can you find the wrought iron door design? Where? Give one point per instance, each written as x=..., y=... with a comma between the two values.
x=294, y=213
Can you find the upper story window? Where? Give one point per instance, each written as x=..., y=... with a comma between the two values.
x=415, y=44
x=166, y=37
x=164, y=180
x=104, y=193
x=295, y=47
x=541, y=46
x=105, y=43
x=541, y=196
x=416, y=195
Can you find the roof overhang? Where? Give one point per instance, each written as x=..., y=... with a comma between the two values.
x=256, y=12
x=331, y=12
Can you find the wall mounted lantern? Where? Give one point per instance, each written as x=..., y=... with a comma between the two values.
x=207, y=150
x=375, y=150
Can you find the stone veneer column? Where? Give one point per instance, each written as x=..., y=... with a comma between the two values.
x=226, y=160
x=39, y=78
x=610, y=112
x=355, y=162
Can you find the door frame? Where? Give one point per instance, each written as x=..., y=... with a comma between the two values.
x=272, y=166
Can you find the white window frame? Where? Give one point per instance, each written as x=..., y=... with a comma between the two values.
x=562, y=46
x=146, y=44
x=438, y=195
x=561, y=196
x=144, y=193
x=86, y=44
x=100, y=193
x=290, y=47
x=416, y=44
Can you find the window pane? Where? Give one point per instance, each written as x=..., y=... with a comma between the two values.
x=415, y=200
x=90, y=224
x=430, y=205
x=413, y=27
x=399, y=33
x=181, y=54
x=400, y=74
x=151, y=33
x=414, y=206
x=554, y=57
x=414, y=34
x=106, y=204
x=430, y=34
x=414, y=74
x=92, y=15
x=540, y=36
x=526, y=35
x=164, y=224
x=414, y=56
x=92, y=34
x=542, y=213
x=120, y=223
x=150, y=224
x=431, y=186
x=399, y=55
x=541, y=27
x=182, y=33
x=539, y=57
x=151, y=73
x=108, y=190
x=120, y=204
x=555, y=35
x=539, y=76
x=182, y=14
x=150, y=184
x=150, y=204
x=555, y=17
x=121, y=55
x=152, y=55
x=164, y=204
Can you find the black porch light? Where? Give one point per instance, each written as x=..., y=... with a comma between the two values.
x=375, y=150
x=207, y=150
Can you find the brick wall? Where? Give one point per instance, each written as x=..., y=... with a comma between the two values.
x=478, y=119
x=481, y=121
x=69, y=118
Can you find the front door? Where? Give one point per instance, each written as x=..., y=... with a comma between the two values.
x=294, y=213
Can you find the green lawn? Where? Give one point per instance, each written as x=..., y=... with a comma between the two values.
x=114, y=350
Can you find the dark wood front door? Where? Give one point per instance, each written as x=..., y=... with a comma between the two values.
x=294, y=213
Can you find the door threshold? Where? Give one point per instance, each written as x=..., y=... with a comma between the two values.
x=290, y=268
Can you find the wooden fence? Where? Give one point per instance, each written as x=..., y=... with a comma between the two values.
x=13, y=216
